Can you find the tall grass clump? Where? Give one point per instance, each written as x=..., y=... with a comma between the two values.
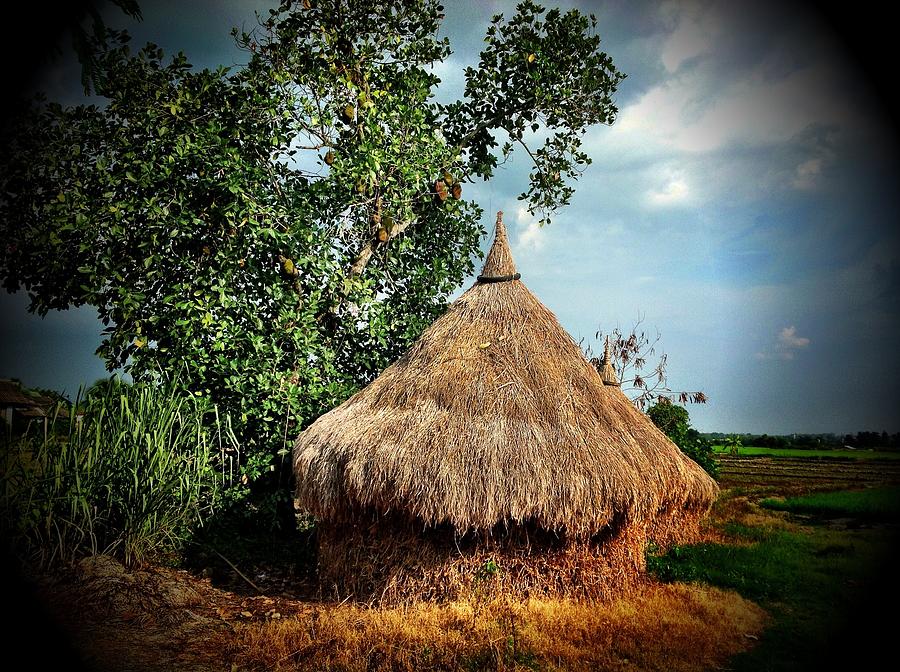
x=130, y=477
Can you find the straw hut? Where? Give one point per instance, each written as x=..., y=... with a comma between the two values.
x=492, y=456
x=13, y=401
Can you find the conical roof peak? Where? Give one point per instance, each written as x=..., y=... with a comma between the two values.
x=499, y=264
x=607, y=372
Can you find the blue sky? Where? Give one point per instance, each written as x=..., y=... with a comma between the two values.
x=744, y=204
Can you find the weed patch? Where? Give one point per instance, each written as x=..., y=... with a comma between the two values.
x=131, y=479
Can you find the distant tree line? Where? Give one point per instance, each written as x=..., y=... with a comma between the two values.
x=863, y=440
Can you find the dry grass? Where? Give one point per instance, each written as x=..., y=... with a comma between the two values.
x=662, y=627
x=392, y=566
x=738, y=509
x=163, y=619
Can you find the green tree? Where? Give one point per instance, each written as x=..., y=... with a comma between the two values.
x=733, y=443
x=674, y=421
x=273, y=235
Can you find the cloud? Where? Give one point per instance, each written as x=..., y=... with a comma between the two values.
x=692, y=37
x=806, y=174
x=820, y=149
x=788, y=338
x=674, y=191
x=786, y=346
x=531, y=234
x=693, y=112
x=451, y=72
x=728, y=77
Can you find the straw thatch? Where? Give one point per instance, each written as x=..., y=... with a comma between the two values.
x=495, y=422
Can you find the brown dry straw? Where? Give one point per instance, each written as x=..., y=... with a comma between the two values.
x=494, y=421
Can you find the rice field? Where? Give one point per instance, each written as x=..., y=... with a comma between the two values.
x=871, y=504
x=836, y=453
x=805, y=472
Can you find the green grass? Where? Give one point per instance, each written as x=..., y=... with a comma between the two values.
x=871, y=504
x=799, y=452
x=830, y=592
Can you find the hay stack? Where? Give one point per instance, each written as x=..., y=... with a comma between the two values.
x=492, y=455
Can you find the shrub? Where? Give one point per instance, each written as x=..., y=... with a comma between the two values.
x=674, y=422
x=131, y=478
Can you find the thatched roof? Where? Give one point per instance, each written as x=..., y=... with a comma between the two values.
x=30, y=404
x=494, y=416
x=11, y=394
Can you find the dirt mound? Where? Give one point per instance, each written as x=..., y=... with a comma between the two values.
x=135, y=621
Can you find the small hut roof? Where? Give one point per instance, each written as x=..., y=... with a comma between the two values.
x=45, y=407
x=494, y=416
x=11, y=394
x=607, y=372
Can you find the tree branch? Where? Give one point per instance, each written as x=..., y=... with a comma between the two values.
x=362, y=259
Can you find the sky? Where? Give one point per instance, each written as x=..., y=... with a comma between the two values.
x=744, y=206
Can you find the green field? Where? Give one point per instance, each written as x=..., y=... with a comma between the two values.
x=869, y=504
x=827, y=588
x=800, y=452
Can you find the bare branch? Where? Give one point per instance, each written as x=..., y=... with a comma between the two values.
x=630, y=355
